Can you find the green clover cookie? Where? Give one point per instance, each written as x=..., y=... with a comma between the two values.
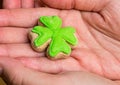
x=52, y=38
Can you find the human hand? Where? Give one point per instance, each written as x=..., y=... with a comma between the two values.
x=98, y=50
x=20, y=75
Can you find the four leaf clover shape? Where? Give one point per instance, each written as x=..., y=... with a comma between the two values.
x=60, y=38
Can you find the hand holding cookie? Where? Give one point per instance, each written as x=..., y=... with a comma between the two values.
x=97, y=36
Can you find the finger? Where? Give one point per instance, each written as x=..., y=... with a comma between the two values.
x=13, y=35
x=45, y=65
x=87, y=5
x=10, y=4
x=24, y=17
x=19, y=75
x=27, y=3
x=18, y=50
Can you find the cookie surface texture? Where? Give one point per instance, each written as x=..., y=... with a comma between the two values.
x=52, y=38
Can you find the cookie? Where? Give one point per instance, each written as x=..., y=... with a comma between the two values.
x=53, y=39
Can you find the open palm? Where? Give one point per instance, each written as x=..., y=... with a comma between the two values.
x=97, y=29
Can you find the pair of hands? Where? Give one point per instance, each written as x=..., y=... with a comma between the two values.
x=97, y=25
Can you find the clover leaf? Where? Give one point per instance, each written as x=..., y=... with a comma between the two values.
x=61, y=38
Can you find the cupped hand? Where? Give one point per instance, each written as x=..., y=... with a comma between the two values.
x=20, y=75
x=97, y=29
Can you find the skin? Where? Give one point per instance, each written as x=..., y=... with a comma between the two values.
x=20, y=75
x=12, y=4
x=98, y=50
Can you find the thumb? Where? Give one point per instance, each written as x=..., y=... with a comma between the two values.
x=17, y=74
x=86, y=5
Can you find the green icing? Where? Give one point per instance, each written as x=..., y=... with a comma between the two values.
x=60, y=37
x=44, y=34
x=52, y=22
x=57, y=45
